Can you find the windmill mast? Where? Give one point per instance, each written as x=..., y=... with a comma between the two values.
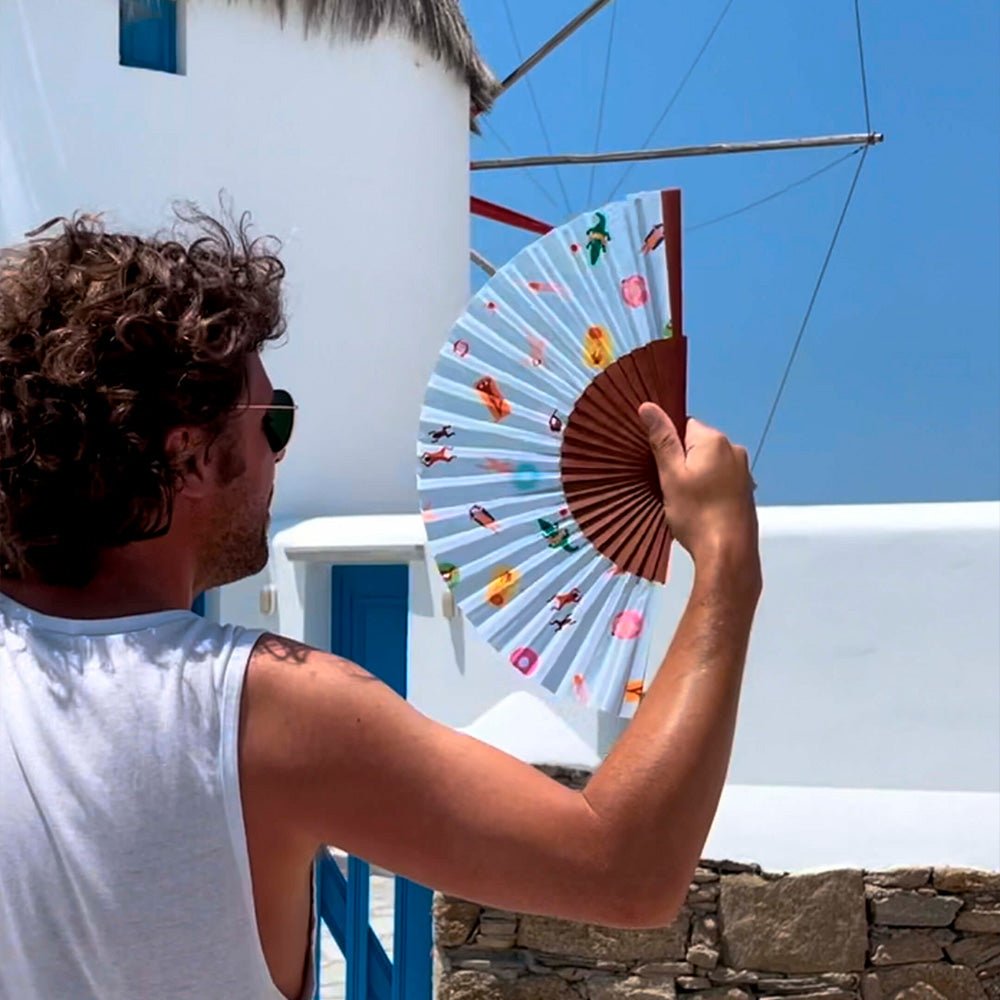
x=864, y=141
x=675, y=152
x=867, y=138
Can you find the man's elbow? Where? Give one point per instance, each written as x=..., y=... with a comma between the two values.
x=645, y=904
x=628, y=893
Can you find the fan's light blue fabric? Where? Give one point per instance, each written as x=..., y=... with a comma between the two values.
x=488, y=452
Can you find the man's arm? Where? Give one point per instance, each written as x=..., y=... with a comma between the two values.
x=659, y=788
x=338, y=758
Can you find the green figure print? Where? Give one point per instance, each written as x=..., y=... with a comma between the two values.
x=558, y=538
x=598, y=238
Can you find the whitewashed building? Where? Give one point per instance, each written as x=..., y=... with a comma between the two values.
x=868, y=734
x=352, y=150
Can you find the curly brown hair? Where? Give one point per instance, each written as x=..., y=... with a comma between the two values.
x=108, y=341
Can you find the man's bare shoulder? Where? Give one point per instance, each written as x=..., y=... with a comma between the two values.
x=302, y=714
x=273, y=654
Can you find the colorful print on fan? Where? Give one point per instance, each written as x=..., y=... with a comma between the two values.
x=492, y=397
x=634, y=291
x=445, y=454
x=653, y=240
x=598, y=347
x=557, y=535
x=450, y=574
x=598, y=238
x=503, y=586
x=529, y=443
x=570, y=597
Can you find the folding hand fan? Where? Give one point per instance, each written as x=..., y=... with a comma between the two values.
x=537, y=482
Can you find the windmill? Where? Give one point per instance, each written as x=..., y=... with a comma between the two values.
x=860, y=142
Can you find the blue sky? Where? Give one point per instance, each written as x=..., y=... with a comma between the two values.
x=894, y=392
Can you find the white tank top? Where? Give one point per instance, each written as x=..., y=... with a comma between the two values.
x=123, y=860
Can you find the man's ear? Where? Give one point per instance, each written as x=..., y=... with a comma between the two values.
x=187, y=449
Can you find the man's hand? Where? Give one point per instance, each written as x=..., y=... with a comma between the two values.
x=707, y=489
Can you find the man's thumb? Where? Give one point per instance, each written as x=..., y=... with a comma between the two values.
x=663, y=436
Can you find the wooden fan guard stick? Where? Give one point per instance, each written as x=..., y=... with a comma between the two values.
x=608, y=472
x=671, y=202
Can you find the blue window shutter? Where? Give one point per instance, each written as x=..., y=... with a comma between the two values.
x=147, y=34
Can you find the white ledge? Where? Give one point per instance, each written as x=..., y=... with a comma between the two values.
x=879, y=518
x=800, y=829
x=377, y=538
x=396, y=538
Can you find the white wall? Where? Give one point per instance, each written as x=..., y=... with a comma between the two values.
x=869, y=728
x=355, y=155
x=875, y=660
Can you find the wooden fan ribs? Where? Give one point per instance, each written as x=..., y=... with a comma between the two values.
x=606, y=466
x=607, y=409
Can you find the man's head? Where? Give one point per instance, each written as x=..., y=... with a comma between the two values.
x=126, y=368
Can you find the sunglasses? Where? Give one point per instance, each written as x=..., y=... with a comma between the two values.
x=279, y=419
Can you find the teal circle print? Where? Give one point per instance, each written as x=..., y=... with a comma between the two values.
x=525, y=476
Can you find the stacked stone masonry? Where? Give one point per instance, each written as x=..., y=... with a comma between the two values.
x=745, y=934
x=907, y=934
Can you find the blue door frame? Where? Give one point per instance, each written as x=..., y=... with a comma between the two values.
x=369, y=626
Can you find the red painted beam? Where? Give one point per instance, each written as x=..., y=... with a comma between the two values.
x=498, y=213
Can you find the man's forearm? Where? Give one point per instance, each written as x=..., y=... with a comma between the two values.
x=657, y=792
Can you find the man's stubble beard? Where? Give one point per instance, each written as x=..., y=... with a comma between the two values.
x=238, y=548
x=236, y=542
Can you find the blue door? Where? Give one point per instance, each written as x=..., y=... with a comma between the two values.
x=369, y=626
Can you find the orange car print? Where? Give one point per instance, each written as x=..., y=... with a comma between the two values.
x=492, y=397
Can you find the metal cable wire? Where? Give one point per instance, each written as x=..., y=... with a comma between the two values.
x=676, y=94
x=528, y=173
x=538, y=110
x=833, y=241
x=604, y=94
x=861, y=60
x=774, y=194
x=809, y=309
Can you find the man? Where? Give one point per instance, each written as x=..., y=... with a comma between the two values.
x=165, y=781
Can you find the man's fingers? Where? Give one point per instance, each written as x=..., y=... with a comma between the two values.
x=699, y=433
x=663, y=436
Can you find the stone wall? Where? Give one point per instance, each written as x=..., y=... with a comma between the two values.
x=745, y=934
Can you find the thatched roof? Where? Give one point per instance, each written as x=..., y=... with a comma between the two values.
x=437, y=25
